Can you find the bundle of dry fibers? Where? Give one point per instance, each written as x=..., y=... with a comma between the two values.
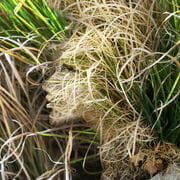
x=100, y=68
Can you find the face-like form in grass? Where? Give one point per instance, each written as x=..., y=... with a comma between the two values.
x=68, y=97
x=109, y=38
x=110, y=48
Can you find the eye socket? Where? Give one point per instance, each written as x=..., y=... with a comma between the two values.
x=68, y=67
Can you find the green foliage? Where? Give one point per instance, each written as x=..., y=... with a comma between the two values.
x=157, y=93
x=172, y=6
x=31, y=16
x=29, y=23
x=160, y=92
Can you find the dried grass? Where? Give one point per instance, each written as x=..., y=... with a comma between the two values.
x=98, y=71
x=98, y=74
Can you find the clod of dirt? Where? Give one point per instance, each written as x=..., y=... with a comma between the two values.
x=153, y=166
x=150, y=167
x=138, y=159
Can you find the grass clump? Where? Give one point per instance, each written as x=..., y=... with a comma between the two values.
x=99, y=70
x=120, y=63
x=119, y=69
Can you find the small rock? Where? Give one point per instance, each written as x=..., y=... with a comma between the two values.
x=171, y=173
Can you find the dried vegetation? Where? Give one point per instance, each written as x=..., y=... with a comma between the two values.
x=101, y=68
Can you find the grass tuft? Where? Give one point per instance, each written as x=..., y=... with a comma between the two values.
x=117, y=74
x=160, y=91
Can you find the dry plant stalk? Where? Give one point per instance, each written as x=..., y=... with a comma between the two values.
x=98, y=74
